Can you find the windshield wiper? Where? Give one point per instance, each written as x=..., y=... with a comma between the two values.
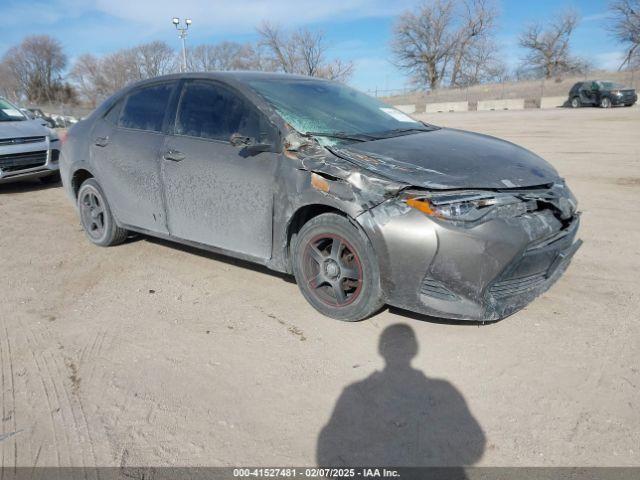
x=401, y=131
x=356, y=137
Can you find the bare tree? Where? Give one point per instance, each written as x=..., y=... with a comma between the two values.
x=302, y=52
x=97, y=78
x=482, y=64
x=624, y=24
x=9, y=86
x=548, y=46
x=87, y=75
x=471, y=39
x=223, y=56
x=423, y=43
x=154, y=59
x=438, y=40
x=37, y=64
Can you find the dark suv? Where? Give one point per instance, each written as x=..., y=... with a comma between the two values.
x=603, y=94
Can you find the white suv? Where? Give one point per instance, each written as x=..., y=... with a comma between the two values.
x=28, y=149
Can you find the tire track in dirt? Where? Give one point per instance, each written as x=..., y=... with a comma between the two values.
x=4, y=403
x=92, y=351
x=57, y=441
x=13, y=412
x=67, y=372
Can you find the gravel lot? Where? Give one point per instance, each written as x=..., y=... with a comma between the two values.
x=155, y=354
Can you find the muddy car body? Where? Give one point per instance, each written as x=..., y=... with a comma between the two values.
x=433, y=220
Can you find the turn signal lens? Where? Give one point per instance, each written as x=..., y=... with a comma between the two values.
x=421, y=204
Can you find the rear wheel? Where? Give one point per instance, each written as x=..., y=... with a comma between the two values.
x=336, y=269
x=605, y=102
x=95, y=216
x=575, y=102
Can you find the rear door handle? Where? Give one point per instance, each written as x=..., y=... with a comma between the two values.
x=174, y=155
x=101, y=141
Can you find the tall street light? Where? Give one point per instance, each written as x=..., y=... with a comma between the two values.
x=182, y=36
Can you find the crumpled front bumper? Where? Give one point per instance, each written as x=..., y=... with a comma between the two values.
x=480, y=273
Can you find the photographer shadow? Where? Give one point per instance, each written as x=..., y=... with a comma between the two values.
x=400, y=417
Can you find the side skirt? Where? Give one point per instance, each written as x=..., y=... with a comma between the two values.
x=266, y=262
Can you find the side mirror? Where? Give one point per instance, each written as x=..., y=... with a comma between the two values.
x=238, y=140
x=247, y=147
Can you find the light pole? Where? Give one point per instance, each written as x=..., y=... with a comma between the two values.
x=182, y=36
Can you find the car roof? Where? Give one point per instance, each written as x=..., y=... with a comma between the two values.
x=237, y=77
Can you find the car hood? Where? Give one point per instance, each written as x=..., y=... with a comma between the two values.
x=448, y=158
x=25, y=128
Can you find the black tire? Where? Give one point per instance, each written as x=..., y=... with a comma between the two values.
x=327, y=243
x=605, y=102
x=575, y=102
x=50, y=179
x=95, y=216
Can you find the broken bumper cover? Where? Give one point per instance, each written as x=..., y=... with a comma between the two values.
x=483, y=273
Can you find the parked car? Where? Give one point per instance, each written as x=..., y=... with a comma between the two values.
x=596, y=93
x=361, y=203
x=37, y=113
x=28, y=149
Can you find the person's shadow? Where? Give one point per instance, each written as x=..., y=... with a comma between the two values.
x=400, y=417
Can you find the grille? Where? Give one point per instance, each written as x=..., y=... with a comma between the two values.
x=434, y=288
x=20, y=140
x=22, y=161
x=516, y=286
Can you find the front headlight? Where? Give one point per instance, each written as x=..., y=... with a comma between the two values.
x=462, y=206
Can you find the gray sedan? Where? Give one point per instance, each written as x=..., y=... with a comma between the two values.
x=28, y=149
x=362, y=204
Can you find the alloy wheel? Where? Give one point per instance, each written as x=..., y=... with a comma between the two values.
x=332, y=270
x=92, y=212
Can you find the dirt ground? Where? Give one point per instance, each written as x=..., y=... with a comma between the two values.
x=154, y=354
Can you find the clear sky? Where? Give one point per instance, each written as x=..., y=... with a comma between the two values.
x=358, y=30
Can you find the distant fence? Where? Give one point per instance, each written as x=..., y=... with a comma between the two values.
x=487, y=105
x=447, y=107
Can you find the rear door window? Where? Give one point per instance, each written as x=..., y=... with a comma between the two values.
x=211, y=111
x=114, y=113
x=145, y=108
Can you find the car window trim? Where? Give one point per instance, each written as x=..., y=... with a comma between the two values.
x=185, y=82
x=119, y=103
x=163, y=130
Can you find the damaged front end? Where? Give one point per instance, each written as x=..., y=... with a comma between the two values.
x=445, y=251
x=474, y=255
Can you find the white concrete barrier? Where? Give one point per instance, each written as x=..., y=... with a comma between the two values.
x=552, y=102
x=408, y=109
x=504, y=104
x=447, y=107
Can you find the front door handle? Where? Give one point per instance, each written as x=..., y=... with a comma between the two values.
x=101, y=141
x=174, y=155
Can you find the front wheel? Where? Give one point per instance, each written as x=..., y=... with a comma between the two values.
x=605, y=102
x=575, y=102
x=336, y=269
x=95, y=216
